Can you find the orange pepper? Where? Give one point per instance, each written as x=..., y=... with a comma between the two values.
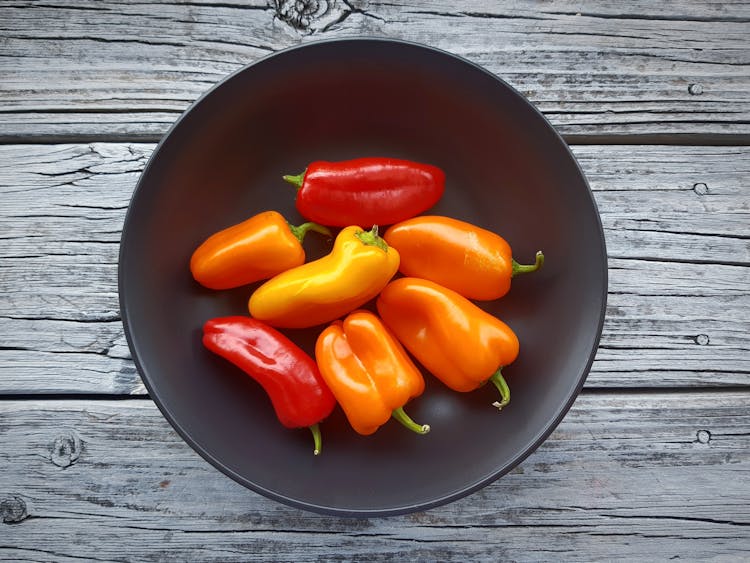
x=258, y=248
x=475, y=262
x=368, y=372
x=459, y=343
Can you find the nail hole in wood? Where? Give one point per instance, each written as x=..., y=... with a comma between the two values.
x=702, y=339
x=700, y=188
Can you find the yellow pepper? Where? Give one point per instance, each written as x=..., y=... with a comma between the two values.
x=358, y=267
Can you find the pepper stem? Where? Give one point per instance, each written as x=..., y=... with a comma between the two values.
x=317, y=439
x=499, y=381
x=526, y=268
x=371, y=238
x=300, y=231
x=296, y=180
x=406, y=420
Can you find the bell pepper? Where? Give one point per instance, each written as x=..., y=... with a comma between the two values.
x=255, y=249
x=366, y=191
x=475, y=262
x=459, y=343
x=289, y=376
x=320, y=291
x=368, y=372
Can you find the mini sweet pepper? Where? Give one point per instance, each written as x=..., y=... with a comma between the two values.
x=357, y=268
x=366, y=191
x=255, y=249
x=368, y=371
x=473, y=261
x=287, y=373
x=458, y=342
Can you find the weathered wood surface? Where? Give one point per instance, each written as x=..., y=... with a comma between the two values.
x=106, y=480
x=120, y=70
x=676, y=222
x=652, y=462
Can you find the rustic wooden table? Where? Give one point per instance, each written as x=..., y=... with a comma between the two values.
x=652, y=462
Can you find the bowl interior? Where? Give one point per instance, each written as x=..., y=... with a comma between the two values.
x=507, y=170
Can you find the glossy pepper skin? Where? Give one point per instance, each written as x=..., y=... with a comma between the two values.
x=289, y=376
x=354, y=272
x=255, y=249
x=366, y=191
x=368, y=372
x=459, y=343
x=475, y=262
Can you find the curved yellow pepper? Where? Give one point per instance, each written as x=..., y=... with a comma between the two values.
x=358, y=267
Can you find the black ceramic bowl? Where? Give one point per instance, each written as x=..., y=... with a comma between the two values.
x=507, y=170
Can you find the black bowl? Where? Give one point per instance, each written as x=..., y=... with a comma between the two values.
x=507, y=170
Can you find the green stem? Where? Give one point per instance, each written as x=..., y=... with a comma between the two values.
x=296, y=180
x=526, y=268
x=300, y=231
x=406, y=420
x=318, y=440
x=499, y=381
x=371, y=238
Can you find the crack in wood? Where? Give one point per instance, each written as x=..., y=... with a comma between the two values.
x=51, y=216
x=357, y=10
x=72, y=397
x=702, y=520
x=236, y=44
x=102, y=109
x=480, y=15
x=94, y=39
x=656, y=17
x=98, y=207
x=58, y=555
x=657, y=139
x=732, y=236
x=239, y=6
x=675, y=260
x=112, y=317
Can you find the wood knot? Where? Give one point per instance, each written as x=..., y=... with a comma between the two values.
x=66, y=449
x=695, y=89
x=301, y=13
x=13, y=510
x=312, y=16
x=700, y=188
x=703, y=436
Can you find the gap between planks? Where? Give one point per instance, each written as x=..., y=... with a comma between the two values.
x=586, y=391
x=673, y=139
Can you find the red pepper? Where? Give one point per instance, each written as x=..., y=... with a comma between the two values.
x=289, y=376
x=366, y=191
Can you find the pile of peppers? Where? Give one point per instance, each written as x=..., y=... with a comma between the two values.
x=423, y=275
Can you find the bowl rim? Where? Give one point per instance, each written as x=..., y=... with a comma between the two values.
x=531, y=446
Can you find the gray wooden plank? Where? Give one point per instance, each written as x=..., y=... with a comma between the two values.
x=630, y=476
x=678, y=308
x=114, y=69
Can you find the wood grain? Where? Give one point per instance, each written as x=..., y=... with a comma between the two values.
x=85, y=478
x=653, y=460
x=115, y=70
x=678, y=308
